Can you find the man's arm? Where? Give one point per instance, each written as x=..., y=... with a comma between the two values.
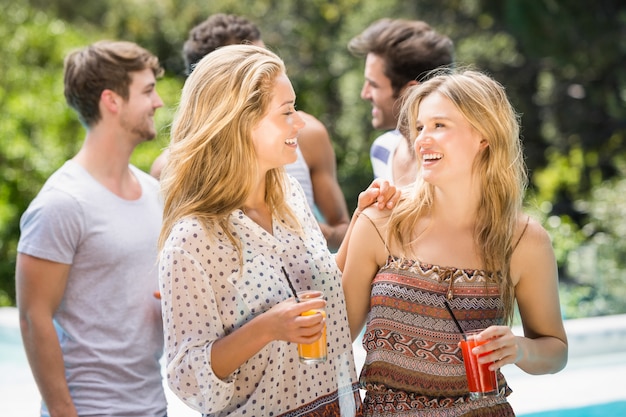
x=319, y=155
x=158, y=164
x=40, y=286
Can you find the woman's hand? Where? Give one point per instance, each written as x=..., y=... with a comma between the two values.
x=502, y=344
x=379, y=192
x=281, y=322
x=286, y=322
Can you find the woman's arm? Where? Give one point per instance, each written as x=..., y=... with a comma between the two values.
x=543, y=348
x=365, y=254
x=281, y=322
x=203, y=351
x=379, y=194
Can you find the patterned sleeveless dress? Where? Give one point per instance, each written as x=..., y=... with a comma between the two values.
x=413, y=364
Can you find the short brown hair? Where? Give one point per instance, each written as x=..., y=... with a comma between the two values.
x=104, y=65
x=411, y=49
x=217, y=30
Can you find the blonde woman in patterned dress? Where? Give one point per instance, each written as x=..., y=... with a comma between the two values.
x=458, y=234
x=233, y=220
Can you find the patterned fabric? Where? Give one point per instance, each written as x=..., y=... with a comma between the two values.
x=326, y=406
x=209, y=289
x=414, y=365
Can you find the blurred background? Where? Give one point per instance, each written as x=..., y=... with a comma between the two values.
x=563, y=63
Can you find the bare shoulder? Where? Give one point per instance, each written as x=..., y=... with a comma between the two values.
x=533, y=254
x=368, y=237
x=377, y=217
x=158, y=164
x=529, y=232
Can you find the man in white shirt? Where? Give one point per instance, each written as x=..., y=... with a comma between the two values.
x=398, y=54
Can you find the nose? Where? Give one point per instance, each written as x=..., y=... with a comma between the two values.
x=298, y=121
x=421, y=138
x=157, y=101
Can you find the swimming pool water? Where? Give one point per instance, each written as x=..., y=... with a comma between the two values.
x=11, y=350
x=612, y=409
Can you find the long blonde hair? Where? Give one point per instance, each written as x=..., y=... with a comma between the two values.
x=500, y=168
x=212, y=164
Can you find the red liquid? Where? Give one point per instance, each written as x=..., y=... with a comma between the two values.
x=479, y=378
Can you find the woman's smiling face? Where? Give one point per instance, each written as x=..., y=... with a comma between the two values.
x=275, y=137
x=447, y=144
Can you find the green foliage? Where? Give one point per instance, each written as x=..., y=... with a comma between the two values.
x=561, y=63
x=563, y=172
x=38, y=130
x=598, y=265
x=169, y=88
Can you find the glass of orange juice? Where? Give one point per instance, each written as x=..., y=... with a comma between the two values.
x=315, y=352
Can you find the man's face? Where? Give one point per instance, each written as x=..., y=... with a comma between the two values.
x=137, y=117
x=377, y=89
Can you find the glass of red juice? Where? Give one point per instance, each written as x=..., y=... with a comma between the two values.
x=481, y=381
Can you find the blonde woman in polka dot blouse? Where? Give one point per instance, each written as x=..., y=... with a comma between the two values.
x=233, y=219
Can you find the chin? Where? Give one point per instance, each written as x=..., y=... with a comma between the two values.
x=378, y=125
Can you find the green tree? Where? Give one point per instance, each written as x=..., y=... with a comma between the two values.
x=37, y=129
x=561, y=62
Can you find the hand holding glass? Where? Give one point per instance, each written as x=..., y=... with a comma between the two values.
x=316, y=352
x=482, y=382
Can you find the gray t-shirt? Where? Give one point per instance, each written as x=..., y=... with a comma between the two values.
x=109, y=323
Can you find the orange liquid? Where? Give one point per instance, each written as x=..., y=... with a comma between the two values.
x=316, y=351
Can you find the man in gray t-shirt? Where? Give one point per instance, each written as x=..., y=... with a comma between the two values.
x=86, y=265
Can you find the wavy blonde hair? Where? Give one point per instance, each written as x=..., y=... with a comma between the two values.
x=212, y=164
x=500, y=168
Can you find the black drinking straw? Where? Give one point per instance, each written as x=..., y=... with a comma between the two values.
x=293, y=290
x=455, y=320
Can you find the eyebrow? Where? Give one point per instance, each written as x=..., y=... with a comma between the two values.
x=439, y=117
x=372, y=82
x=149, y=86
x=287, y=103
x=434, y=118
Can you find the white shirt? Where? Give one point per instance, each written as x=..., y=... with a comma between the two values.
x=206, y=294
x=381, y=154
x=300, y=171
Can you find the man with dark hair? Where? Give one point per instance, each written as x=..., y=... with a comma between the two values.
x=316, y=166
x=218, y=30
x=86, y=264
x=398, y=54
